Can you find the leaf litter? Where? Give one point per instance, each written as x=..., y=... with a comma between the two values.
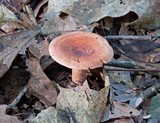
x=4, y=118
x=129, y=91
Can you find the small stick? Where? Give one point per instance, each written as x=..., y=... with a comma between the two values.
x=151, y=91
x=122, y=63
x=138, y=70
x=132, y=37
x=17, y=99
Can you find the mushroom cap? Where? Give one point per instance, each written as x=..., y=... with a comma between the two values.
x=80, y=50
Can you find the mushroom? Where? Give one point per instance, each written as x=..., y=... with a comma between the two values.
x=80, y=51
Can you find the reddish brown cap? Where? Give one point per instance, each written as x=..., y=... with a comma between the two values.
x=80, y=50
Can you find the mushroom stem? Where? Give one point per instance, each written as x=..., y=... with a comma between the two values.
x=78, y=76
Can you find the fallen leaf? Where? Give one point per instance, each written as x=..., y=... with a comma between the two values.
x=18, y=4
x=40, y=51
x=148, y=12
x=39, y=85
x=85, y=105
x=143, y=51
x=147, y=51
x=56, y=25
x=121, y=77
x=6, y=14
x=154, y=109
x=136, y=101
x=39, y=48
x=79, y=104
x=120, y=93
x=4, y=118
x=122, y=120
x=12, y=45
x=11, y=27
x=39, y=6
x=88, y=12
x=119, y=110
x=51, y=115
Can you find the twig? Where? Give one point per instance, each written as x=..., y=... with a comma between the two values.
x=138, y=70
x=151, y=91
x=132, y=37
x=17, y=99
x=122, y=63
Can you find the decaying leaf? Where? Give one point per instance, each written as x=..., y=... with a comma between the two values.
x=120, y=93
x=88, y=12
x=76, y=105
x=122, y=77
x=85, y=105
x=4, y=118
x=119, y=110
x=13, y=44
x=39, y=84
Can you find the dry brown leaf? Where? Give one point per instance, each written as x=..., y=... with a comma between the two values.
x=55, y=24
x=39, y=49
x=88, y=12
x=39, y=84
x=4, y=118
x=13, y=44
x=9, y=22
